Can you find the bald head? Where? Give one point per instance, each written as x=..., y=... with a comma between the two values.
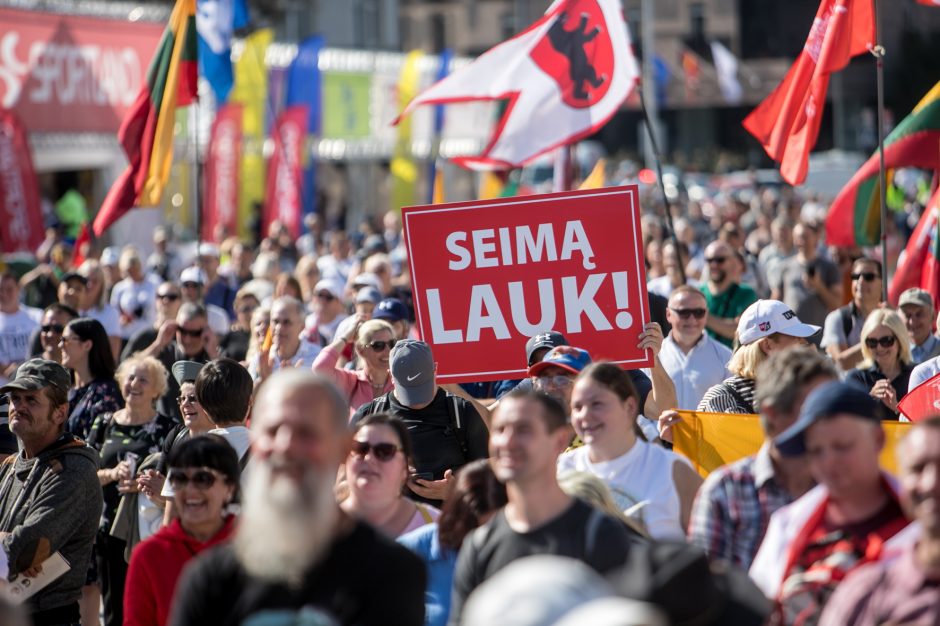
x=293, y=382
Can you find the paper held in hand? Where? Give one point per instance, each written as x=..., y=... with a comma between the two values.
x=21, y=588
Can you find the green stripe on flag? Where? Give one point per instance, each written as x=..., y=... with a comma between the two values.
x=159, y=69
x=927, y=118
x=190, y=47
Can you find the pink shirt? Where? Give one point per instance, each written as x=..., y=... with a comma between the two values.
x=424, y=514
x=353, y=384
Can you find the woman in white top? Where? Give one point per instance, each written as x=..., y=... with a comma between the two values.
x=96, y=304
x=648, y=482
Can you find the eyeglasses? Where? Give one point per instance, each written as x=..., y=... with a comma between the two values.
x=686, y=313
x=383, y=452
x=53, y=328
x=190, y=333
x=380, y=346
x=190, y=398
x=869, y=276
x=201, y=479
x=65, y=339
x=326, y=295
x=884, y=342
x=716, y=259
x=190, y=285
x=168, y=297
x=558, y=380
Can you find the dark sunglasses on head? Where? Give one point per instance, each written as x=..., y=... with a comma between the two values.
x=869, y=276
x=884, y=342
x=201, y=479
x=379, y=346
x=168, y=296
x=381, y=451
x=686, y=313
x=190, y=333
x=53, y=328
x=717, y=259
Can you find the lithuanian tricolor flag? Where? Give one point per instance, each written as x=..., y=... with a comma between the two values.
x=147, y=130
x=854, y=216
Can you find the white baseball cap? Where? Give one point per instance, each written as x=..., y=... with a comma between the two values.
x=766, y=317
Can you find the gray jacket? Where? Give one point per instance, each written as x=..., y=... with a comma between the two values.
x=51, y=503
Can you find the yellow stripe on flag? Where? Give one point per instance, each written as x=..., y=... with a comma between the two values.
x=404, y=169
x=491, y=186
x=710, y=440
x=595, y=179
x=437, y=197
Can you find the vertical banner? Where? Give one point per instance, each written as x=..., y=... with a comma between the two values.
x=435, y=178
x=489, y=274
x=285, y=190
x=251, y=91
x=220, y=205
x=404, y=168
x=304, y=87
x=21, y=225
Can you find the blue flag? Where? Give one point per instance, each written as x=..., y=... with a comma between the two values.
x=304, y=86
x=216, y=20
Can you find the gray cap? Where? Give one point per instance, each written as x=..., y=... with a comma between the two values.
x=368, y=294
x=412, y=367
x=38, y=374
x=186, y=370
x=917, y=297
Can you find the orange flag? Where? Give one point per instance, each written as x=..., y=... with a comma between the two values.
x=787, y=121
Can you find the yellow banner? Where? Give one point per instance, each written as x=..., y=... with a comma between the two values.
x=595, y=179
x=404, y=168
x=710, y=440
x=251, y=91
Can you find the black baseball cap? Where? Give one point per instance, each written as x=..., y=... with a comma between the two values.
x=550, y=339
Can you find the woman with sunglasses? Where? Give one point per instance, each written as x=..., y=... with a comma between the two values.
x=204, y=473
x=86, y=352
x=885, y=370
x=377, y=472
x=373, y=341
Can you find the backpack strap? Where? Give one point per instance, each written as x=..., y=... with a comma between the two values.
x=846, y=314
x=453, y=410
x=243, y=462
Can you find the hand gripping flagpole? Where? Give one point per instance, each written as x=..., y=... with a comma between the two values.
x=878, y=52
x=659, y=176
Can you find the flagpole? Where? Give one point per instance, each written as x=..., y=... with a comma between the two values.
x=659, y=176
x=197, y=206
x=879, y=52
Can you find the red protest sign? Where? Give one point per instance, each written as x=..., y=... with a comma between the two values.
x=489, y=274
x=922, y=401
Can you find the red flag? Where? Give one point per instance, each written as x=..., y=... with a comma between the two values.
x=283, y=200
x=930, y=3
x=787, y=121
x=220, y=206
x=690, y=68
x=21, y=224
x=922, y=401
x=920, y=264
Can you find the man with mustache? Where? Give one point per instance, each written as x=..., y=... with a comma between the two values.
x=296, y=558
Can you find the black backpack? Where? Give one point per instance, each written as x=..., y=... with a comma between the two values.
x=458, y=421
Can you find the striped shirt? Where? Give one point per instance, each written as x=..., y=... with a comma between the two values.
x=733, y=395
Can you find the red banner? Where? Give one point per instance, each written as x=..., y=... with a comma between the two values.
x=284, y=197
x=70, y=73
x=922, y=401
x=220, y=206
x=21, y=224
x=489, y=274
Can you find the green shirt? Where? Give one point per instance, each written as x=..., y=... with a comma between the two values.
x=728, y=304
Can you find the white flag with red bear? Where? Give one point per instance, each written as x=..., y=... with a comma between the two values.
x=562, y=78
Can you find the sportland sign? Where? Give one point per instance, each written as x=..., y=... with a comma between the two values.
x=489, y=274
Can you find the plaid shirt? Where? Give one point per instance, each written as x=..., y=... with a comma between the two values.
x=733, y=507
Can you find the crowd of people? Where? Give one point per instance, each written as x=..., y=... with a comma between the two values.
x=257, y=435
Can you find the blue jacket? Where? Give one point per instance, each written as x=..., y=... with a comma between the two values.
x=440, y=563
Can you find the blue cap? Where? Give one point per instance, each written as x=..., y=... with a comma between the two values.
x=832, y=398
x=390, y=310
x=572, y=359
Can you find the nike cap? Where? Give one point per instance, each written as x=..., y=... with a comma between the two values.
x=412, y=367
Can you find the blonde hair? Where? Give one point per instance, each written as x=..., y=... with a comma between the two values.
x=746, y=359
x=93, y=267
x=369, y=329
x=891, y=320
x=153, y=366
x=588, y=487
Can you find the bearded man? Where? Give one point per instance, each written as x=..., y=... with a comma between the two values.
x=296, y=557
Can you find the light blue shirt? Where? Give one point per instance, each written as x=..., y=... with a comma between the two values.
x=694, y=373
x=925, y=350
x=441, y=563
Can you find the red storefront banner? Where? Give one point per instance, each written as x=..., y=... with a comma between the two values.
x=284, y=197
x=21, y=226
x=72, y=73
x=489, y=274
x=220, y=206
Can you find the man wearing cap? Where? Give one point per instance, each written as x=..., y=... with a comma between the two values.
x=726, y=298
x=446, y=431
x=734, y=504
x=72, y=289
x=288, y=346
x=852, y=517
x=192, y=287
x=50, y=498
x=17, y=324
x=842, y=331
x=215, y=288
x=329, y=311
x=394, y=311
x=916, y=309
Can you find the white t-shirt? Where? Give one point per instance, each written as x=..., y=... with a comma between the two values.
x=109, y=318
x=16, y=330
x=644, y=474
x=133, y=299
x=236, y=436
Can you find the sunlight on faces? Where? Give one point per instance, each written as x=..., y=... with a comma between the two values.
x=598, y=414
x=376, y=359
x=32, y=416
x=74, y=350
x=919, y=460
x=139, y=387
x=372, y=479
x=686, y=326
x=918, y=320
x=521, y=446
x=201, y=507
x=194, y=416
x=842, y=452
x=556, y=382
x=883, y=354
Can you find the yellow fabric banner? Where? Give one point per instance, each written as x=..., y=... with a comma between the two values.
x=710, y=440
x=251, y=91
x=595, y=179
x=404, y=167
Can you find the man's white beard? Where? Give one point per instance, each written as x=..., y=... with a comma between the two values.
x=285, y=528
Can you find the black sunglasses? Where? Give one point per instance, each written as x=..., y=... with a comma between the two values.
x=168, y=296
x=53, y=328
x=383, y=452
x=201, y=479
x=379, y=346
x=717, y=259
x=326, y=295
x=686, y=313
x=869, y=276
x=190, y=333
x=884, y=342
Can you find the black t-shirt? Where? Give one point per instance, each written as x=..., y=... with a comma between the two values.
x=234, y=345
x=581, y=532
x=365, y=579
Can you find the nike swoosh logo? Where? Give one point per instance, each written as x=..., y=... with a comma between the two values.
x=411, y=378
